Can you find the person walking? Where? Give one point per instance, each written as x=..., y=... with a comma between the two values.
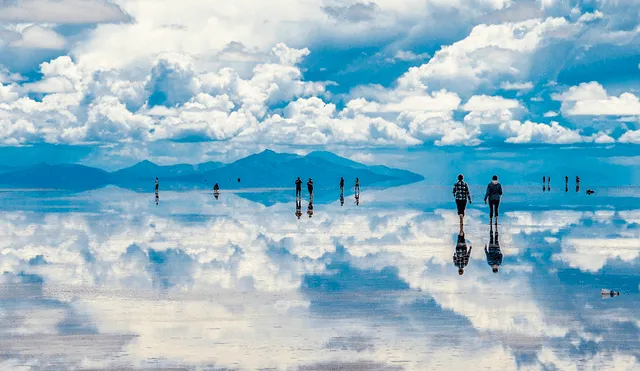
x=341, y=184
x=298, y=188
x=494, y=194
x=157, y=184
x=461, y=194
x=357, y=186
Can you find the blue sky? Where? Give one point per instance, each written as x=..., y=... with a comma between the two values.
x=110, y=83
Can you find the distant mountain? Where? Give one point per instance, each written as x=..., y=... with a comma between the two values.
x=145, y=170
x=271, y=169
x=266, y=169
x=65, y=176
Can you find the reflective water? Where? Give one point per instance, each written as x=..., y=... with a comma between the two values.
x=109, y=280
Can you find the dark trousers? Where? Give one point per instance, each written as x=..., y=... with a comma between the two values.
x=493, y=207
x=461, y=205
x=298, y=192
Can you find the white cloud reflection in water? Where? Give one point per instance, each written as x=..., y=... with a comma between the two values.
x=116, y=281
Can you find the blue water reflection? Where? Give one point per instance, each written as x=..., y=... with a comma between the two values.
x=109, y=279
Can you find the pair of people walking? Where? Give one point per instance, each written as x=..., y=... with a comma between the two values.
x=493, y=194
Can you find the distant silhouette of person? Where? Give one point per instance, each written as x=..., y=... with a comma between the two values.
x=238, y=180
x=310, y=188
x=544, y=180
x=493, y=193
x=341, y=184
x=298, y=188
x=216, y=187
x=590, y=192
x=493, y=254
x=298, y=208
x=566, y=180
x=549, y=182
x=357, y=186
x=157, y=197
x=341, y=198
x=462, y=255
x=461, y=194
x=577, y=184
x=157, y=184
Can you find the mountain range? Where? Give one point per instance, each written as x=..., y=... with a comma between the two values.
x=266, y=169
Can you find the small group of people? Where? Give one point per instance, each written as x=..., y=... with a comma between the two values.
x=493, y=195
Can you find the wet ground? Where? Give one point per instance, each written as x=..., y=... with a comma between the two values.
x=107, y=279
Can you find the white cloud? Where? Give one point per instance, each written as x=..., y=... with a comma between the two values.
x=531, y=132
x=591, y=99
x=551, y=114
x=409, y=56
x=39, y=37
x=631, y=136
x=482, y=103
x=490, y=54
x=521, y=86
x=593, y=253
x=60, y=11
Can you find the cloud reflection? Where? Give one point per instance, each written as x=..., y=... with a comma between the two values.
x=235, y=284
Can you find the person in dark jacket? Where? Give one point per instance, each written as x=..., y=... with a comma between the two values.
x=298, y=188
x=310, y=187
x=494, y=255
x=494, y=193
x=341, y=184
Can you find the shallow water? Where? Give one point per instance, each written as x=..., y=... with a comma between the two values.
x=107, y=279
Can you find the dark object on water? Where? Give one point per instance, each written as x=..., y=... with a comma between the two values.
x=238, y=180
x=590, y=192
x=608, y=293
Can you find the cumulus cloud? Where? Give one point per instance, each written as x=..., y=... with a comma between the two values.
x=234, y=79
x=591, y=99
x=61, y=11
x=488, y=55
x=39, y=37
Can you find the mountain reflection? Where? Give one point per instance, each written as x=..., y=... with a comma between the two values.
x=235, y=284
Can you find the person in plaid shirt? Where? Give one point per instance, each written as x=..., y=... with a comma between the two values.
x=461, y=194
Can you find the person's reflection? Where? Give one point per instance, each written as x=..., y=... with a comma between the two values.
x=216, y=194
x=342, y=198
x=462, y=255
x=493, y=254
x=357, y=191
x=310, y=209
x=298, y=208
x=357, y=198
x=157, y=197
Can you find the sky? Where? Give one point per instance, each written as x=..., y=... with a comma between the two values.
x=112, y=83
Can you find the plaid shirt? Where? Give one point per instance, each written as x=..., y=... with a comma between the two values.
x=461, y=191
x=462, y=255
